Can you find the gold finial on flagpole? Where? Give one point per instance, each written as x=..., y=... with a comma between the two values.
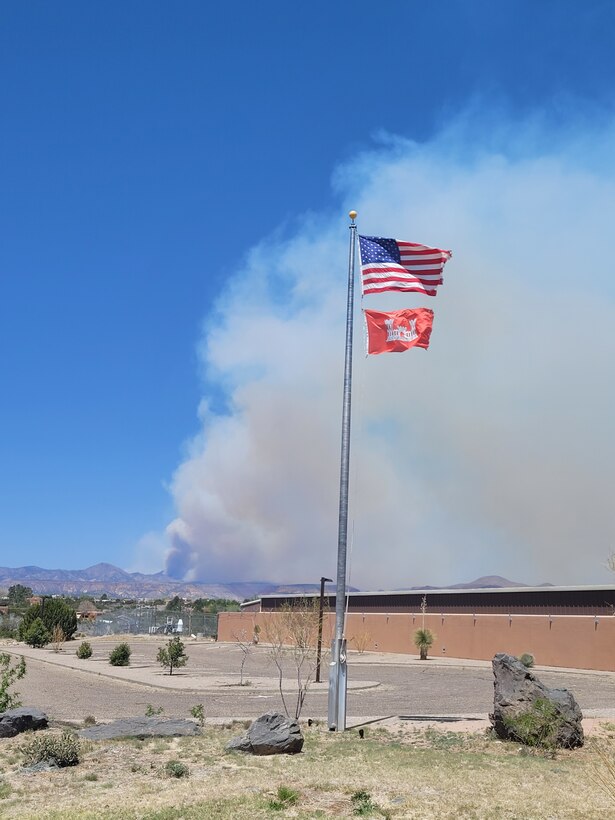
x=352, y=215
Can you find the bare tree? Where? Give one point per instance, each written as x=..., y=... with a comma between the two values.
x=245, y=644
x=57, y=638
x=291, y=634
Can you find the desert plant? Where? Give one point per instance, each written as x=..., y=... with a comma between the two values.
x=172, y=656
x=198, y=713
x=84, y=650
x=54, y=611
x=175, y=768
x=362, y=803
x=245, y=645
x=527, y=659
x=291, y=634
x=120, y=655
x=64, y=748
x=362, y=641
x=151, y=711
x=284, y=799
x=36, y=635
x=57, y=638
x=256, y=634
x=9, y=673
x=423, y=639
x=89, y=720
x=537, y=726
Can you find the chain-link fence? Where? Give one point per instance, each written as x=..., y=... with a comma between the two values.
x=149, y=620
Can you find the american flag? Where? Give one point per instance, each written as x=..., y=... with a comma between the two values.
x=390, y=264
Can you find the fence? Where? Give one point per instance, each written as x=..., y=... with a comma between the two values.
x=147, y=619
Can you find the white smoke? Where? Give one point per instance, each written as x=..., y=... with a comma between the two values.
x=492, y=452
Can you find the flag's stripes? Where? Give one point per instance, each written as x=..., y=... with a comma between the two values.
x=390, y=264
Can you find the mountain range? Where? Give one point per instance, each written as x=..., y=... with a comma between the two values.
x=117, y=583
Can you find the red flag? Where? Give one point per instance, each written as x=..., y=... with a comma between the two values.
x=398, y=330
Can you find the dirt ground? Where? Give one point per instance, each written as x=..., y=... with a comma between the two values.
x=380, y=685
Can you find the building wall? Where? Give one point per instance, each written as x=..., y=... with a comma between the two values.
x=576, y=641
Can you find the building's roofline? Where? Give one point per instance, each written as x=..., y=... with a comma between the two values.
x=432, y=591
x=255, y=601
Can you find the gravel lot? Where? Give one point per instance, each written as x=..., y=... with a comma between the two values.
x=69, y=689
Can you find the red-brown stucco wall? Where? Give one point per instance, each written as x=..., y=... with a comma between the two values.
x=576, y=641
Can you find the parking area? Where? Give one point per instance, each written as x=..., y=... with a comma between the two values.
x=380, y=685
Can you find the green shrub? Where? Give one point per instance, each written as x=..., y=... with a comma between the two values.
x=150, y=711
x=36, y=635
x=84, y=650
x=285, y=798
x=174, y=768
x=362, y=803
x=198, y=713
x=64, y=748
x=7, y=630
x=537, y=727
x=120, y=655
x=527, y=659
x=55, y=612
x=9, y=673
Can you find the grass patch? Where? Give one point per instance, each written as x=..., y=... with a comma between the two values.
x=285, y=798
x=410, y=775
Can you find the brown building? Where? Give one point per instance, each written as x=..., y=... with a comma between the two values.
x=561, y=626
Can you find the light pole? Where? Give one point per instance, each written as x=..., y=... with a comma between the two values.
x=320, y=609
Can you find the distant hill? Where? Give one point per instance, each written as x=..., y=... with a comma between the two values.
x=117, y=583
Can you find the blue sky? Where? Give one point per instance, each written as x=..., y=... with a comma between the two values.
x=151, y=154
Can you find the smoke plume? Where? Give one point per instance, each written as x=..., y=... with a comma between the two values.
x=492, y=452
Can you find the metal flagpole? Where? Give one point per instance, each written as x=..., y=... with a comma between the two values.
x=337, y=667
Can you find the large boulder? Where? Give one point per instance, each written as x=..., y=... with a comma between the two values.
x=516, y=691
x=24, y=719
x=141, y=727
x=270, y=734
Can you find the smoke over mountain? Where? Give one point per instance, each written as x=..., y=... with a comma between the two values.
x=491, y=452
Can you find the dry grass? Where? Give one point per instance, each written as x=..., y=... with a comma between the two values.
x=408, y=774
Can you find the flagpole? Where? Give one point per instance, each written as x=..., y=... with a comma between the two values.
x=337, y=667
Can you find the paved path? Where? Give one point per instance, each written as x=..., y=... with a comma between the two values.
x=380, y=684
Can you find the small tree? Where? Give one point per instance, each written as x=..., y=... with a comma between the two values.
x=292, y=634
x=18, y=595
x=172, y=656
x=423, y=639
x=246, y=647
x=9, y=673
x=36, y=635
x=120, y=655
